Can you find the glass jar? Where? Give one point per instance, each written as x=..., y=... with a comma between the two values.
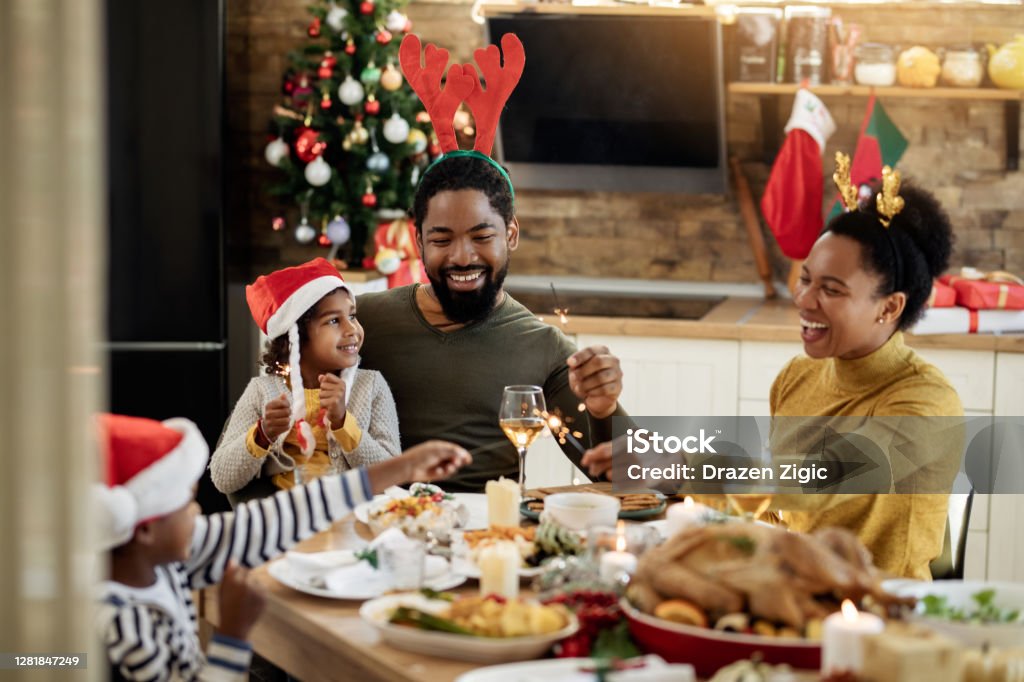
x=876, y=64
x=963, y=67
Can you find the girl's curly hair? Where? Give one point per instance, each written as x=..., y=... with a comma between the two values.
x=275, y=354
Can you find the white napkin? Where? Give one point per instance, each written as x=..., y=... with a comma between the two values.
x=656, y=670
x=307, y=567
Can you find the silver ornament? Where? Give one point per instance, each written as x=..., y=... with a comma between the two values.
x=276, y=152
x=378, y=162
x=304, y=233
x=350, y=91
x=336, y=17
x=338, y=231
x=396, y=129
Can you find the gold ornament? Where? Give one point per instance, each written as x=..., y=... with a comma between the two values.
x=359, y=133
x=843, y=183
x=391, y=79
x=889, y=202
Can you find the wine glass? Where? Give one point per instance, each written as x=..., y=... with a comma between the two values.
x=522, y=419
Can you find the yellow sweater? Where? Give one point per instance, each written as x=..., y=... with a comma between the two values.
x=903, y=531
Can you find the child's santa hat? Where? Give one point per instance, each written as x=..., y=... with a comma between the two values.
x=151, y=467
x=277, y=301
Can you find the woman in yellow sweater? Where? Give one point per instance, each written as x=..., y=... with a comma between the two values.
x=866, y=279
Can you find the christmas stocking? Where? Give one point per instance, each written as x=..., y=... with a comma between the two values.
x=792, y=201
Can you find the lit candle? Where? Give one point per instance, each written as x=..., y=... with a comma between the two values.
x=499, y=570
x=683, y=515
x=615, y=564
x=503, y=500
x=842, y=646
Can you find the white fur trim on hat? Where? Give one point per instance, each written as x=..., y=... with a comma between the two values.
x=301, y=300
x=161, y=488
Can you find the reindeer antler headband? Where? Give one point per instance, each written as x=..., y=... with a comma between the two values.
x=463, y=85
x=888, y=202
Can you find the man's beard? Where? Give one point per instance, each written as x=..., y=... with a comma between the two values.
x=468, y=306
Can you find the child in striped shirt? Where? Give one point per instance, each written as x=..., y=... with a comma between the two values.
x=162, y=549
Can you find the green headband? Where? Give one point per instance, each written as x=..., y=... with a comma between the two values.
x=458, y=153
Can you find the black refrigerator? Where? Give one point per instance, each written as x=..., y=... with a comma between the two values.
x=167, y=330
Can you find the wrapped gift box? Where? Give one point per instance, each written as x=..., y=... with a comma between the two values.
x=959, y=320
x=986, y=291
x=943, y=296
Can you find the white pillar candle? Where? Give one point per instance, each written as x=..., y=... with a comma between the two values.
x=685, y=514
x=614, y=564
x=503, y=501
x=842, y=646
x=499, y=570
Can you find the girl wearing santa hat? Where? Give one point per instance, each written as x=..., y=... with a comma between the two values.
x=313, y=411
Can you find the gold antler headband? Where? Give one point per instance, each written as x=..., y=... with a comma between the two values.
x=889, y=202
x=842, y=179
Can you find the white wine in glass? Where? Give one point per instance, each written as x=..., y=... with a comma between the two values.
x=522, y=419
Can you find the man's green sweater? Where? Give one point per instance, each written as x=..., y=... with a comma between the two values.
x=448, y=386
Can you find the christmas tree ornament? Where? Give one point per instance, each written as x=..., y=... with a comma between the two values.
x=351, y=91
x=408, y=26
x=387, y=261
x=370, y=75
x=384, y=37
x=308, y=145
x=318, y=173
x=278, y=224
x=323, y=73
x=395, y=21
x=346, y=144
x=303, y=88
x=325, y=102
x=336, y=17
x=350, y=47
x=369, y=198
x=288, y=82
x=418, y=139
x=372, y=106
x=360, y=135
x=461, y=119
x=276, y=151
x=304, y=233
x=338, y=230
x=378, y=162
x=434, y=149
x=329, y=60
x=391, y=79
x=396, y=129
x=367, y=7
x=314, y=28
x=422, y=117
x=323, y=240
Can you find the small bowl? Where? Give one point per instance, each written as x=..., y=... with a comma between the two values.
x=579, y=511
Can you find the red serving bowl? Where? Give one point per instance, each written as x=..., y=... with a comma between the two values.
x=709, y=650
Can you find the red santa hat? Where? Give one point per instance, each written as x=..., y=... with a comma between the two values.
x=276, y=302
x=150, y=467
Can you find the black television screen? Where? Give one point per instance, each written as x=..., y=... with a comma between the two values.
x=615, y=103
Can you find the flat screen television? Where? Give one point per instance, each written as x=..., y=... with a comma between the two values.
x=615, y=103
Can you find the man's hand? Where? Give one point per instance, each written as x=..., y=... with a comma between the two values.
x=332, y=399
x=277, y=417
x=596, y=378
x=598, y=460
x=241, y=602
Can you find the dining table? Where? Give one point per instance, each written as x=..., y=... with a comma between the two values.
x=316, y=638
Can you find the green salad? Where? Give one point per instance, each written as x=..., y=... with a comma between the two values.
x=984, y=611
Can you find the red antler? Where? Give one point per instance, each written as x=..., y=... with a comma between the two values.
x=487, y=104
x=439, y=103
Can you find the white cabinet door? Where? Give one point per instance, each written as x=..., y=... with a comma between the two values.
x=1009, y=400
x=671, y=377
x=760, y=363
x=972, y=373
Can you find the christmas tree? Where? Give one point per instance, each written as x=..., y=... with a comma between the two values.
x=352, y=137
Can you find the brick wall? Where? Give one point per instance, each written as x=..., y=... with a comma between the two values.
x=957, y=149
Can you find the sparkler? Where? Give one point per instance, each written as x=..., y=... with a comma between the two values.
x=563, y=313
x=563, y=434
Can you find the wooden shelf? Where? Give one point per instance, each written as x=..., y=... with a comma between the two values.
x=769, y=94
x=864, y=90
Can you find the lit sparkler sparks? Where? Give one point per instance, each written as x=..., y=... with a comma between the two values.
x=563, y=433
x=563, y=313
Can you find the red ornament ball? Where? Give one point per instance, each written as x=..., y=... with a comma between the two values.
x=314, y=28
x=369, y=200
x=322, y=240
x=325, y=103
x=366, y=7
x=372, y=107
x=422, y=117
x=329, y=60
x=434, y=149
x=324, y=72
x=278, y=224
x=308, y=145
x=350, y=48
x=384, y=36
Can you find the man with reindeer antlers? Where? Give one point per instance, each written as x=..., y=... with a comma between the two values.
x=447, y=348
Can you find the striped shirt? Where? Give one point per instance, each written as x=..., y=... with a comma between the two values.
x=147, y=641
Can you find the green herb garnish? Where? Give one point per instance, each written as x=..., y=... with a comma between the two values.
x=404, y=615
x=986, y=612
x=369, y=556
x=743, y=543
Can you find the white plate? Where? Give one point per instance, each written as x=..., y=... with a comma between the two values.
x=958, y=593
x=448, y=645
x=475, y=504
x=661, y=525
x=357, y=584
x=571, y=670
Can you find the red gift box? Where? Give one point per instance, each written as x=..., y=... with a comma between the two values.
x=986, y=290
x=943, y=296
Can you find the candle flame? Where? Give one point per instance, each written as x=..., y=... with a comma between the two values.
x=688, y=502
x=620, y=536
x=849, y=610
